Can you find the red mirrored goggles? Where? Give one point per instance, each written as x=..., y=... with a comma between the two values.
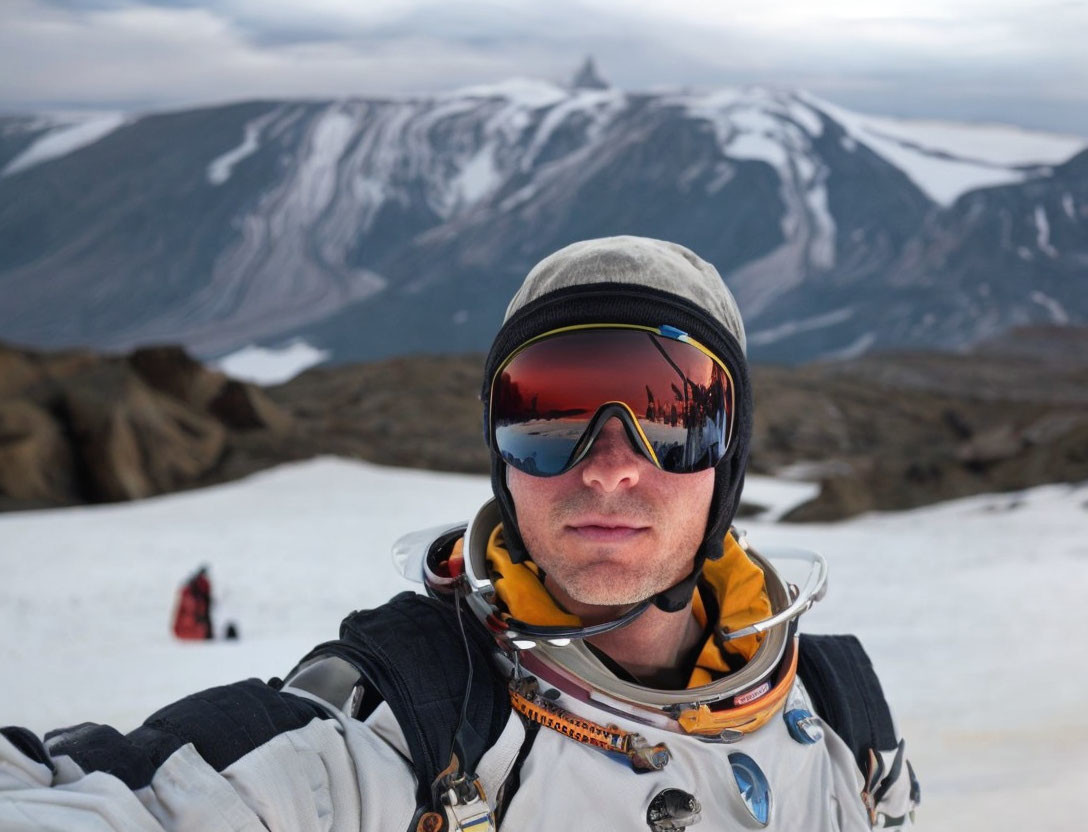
x=552, y=396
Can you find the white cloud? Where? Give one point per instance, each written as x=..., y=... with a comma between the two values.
x=993, y=59
x=153, y=54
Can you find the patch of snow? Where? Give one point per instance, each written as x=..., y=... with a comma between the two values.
x=848, y=144
x=807, y=167
x=759, y=125
x=718, y=109
x=821, y=251
x=220, y=168
x=368, y=192
x=316, y=179
x=723, y=175
x=1068, y=206
x=528, y=92
x=946, y=159
x=65, y=139
x=1042, y=232
x=758, y=147
x=997, y=144
x=1024, y=253
x=598, y=105
x=754, y=119
x=1056, y=310
x=806, y=117
x=271, y=365
x=714, y=101
x=791, y=328
x=520, y=196
x=478, y=177
x=777, y=495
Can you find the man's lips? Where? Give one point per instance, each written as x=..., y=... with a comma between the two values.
x=606, y=529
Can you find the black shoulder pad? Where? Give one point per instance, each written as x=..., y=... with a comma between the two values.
x=411, y=651
x=224, y=724
x=28, y=743
x=846, y=693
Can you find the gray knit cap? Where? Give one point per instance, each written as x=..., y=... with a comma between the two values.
x=636, y=260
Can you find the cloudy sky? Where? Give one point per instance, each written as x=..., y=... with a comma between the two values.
x=1019, y=62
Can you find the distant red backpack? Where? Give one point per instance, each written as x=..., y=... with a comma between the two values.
x=192, y=617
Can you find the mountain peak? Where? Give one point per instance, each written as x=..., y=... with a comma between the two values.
x=588, y=78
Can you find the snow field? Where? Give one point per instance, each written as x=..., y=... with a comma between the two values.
x=972, y=612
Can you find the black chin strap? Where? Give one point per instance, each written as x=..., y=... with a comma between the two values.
x=678, y=596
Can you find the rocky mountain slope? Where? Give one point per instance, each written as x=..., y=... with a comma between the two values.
x=382, y=227
x=903, y=430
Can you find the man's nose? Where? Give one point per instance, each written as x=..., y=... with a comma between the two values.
x=612, y=462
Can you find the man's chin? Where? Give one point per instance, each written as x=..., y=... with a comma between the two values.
x=607, y=591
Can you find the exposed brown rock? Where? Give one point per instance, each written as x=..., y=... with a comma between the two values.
x=246, y=407
x=134, y=442
x=839, y=497
x=236, y=404
x=36, y=461
x=17, y=372
x=171, y=370
x=422, y=411
x=996, y=444
x=879, y=433
x=60, y=366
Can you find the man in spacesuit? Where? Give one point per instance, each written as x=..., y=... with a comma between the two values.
x=599, y=648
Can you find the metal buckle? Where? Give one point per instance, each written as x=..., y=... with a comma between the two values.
x=463, y=799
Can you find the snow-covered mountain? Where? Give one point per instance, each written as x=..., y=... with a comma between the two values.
x=383, y=226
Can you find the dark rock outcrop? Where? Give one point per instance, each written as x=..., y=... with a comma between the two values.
x=75, y=427
x=879, y=433
x=134, y=442
x=36, y=461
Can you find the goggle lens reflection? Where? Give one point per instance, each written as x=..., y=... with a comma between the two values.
x=675, y=398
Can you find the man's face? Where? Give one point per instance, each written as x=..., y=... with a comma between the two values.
x=614, y=529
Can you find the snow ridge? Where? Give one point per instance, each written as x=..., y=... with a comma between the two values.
x=67, y=137
x=777, y=128
x=1042, y=228
x=947, y=159
x=1057, y=312
x=791, y=328
x=220, y=168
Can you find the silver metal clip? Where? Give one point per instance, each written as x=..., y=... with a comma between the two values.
x=463, y=800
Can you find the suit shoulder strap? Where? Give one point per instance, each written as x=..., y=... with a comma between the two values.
x=427, y=663
x=846, y=693
x=840, y=679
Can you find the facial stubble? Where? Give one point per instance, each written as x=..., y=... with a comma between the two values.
x=613, y=574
